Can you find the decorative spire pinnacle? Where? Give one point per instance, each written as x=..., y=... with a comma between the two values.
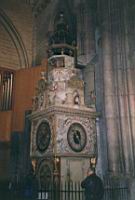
x=61, y=41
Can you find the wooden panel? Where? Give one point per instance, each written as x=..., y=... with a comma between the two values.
x=5, y=125
x=4, y=161
x=24, y=90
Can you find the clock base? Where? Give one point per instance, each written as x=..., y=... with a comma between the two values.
x=73, y=169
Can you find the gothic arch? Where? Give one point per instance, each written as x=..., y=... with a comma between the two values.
x=16, y=39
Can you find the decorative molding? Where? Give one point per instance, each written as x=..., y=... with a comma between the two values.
x=83, y=111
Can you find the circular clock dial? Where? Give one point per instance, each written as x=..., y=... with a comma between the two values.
x=43, y=136
x=45, y=176
x=76, y=137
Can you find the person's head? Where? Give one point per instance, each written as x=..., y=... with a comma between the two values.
x=90, y=171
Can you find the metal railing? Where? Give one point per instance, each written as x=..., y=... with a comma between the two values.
x=66, y=191
x=73, y=191
x=114, y=190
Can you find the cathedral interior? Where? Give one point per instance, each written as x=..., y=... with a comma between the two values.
x=67, y=89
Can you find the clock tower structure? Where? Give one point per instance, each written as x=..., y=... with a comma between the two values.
x=63, y=133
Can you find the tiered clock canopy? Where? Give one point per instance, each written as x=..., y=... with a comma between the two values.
x=62, y=41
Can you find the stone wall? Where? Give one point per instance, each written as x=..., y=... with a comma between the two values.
x=8, y=53
x=15, y=34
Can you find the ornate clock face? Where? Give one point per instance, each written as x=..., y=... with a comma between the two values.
x=45, y=176
x=43, y=136
x=76, y=137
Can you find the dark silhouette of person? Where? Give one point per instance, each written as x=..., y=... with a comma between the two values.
x=93, y=185
x=30, y=187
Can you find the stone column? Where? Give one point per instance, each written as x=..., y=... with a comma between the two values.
x=123, y=85
x=113, y=151
x=110, y=109
x=128, y=20
x=85, y=31
x=118, y=83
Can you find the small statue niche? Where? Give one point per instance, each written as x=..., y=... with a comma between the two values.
x=76, y=99
x=92, y=98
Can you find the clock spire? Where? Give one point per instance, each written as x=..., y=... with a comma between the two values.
x=62, y=49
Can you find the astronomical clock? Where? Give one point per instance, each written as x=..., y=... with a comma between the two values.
x=63, y=132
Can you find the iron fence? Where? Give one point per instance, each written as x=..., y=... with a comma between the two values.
x=114, y=190
x=65, y=191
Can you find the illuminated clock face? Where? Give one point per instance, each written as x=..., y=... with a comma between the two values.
x=43, y=136
x=76, y=137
